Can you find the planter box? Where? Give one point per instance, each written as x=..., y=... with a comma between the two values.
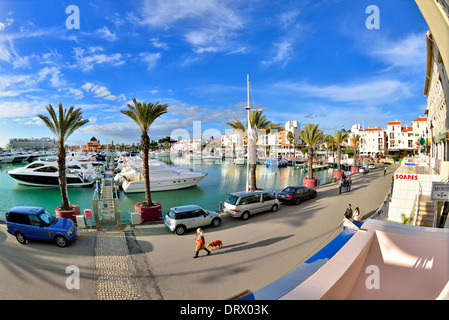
x=310, y=183
x=354, y=170
x=69, y=214
x=338, y=175
x=148, y=213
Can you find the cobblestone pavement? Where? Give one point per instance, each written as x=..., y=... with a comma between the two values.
x=115, y=273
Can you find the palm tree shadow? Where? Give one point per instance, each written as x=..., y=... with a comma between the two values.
x=245, y=246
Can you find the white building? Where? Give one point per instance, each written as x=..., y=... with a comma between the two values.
x=400, y=138
x=31, y=144
x=372, y=142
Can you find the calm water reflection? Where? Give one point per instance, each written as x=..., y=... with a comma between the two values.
x=223, y=177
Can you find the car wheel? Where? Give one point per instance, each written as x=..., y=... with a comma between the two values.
x=61, y=241
x=216, y=222
x=180, y=230
x=314, y=195
x=274, y=208
x=21, y=238
x=245, y=215
x=298, y=201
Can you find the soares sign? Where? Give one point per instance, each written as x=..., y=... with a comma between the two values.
x=406, y=177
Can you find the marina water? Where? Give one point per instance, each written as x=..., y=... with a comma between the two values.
x=223, y=177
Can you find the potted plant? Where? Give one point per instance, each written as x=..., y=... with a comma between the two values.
x=311, y=135
x=339, y=138
x=62, y=126
x=144, y=114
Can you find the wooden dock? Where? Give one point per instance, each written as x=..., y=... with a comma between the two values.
x=105, y=202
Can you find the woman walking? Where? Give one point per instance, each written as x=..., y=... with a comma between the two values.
x=200, y=243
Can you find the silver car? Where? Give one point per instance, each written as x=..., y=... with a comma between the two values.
x=179, y=219
x=243, y=204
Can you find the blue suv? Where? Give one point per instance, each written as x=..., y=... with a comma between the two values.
x=36, y=223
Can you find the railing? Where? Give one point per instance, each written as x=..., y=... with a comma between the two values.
x=418, y=193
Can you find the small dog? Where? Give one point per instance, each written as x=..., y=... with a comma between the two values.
x=217, y=244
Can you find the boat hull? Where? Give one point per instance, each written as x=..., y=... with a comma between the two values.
x=49, y=181
x=162, y=185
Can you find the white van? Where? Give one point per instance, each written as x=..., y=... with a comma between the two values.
x=243, y=204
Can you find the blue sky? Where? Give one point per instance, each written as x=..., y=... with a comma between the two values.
x=310, y=61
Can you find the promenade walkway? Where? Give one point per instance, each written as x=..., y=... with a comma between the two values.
x=147, y=262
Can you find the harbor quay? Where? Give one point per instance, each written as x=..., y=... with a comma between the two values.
x=255, y=252
x=147, y=262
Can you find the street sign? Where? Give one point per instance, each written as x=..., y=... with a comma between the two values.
x=440, y=191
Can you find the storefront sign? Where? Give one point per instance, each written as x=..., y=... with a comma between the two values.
x=440, y=191
x=400, y=176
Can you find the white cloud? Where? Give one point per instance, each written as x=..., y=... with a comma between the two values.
x=106, y=34
x=409, y=52
x=208, y=25
x=283, y=52
x=150, y=59
x=102, y=92
x=88, y=60
x=369, y=92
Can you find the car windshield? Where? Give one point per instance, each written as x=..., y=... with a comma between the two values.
x=171, y=214
x=47, y=218
x=231, y=199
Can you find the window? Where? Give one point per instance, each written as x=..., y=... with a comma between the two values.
x=250, y=199
x=267, y=197
x=34, y=220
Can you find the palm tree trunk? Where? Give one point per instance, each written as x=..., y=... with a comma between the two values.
x=145, y=141
x=338, y=158
x=253, y=177
x=310, y=155
x=62, y=176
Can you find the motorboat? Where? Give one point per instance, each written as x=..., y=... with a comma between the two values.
x=163, y=177
x=6, y=158
x=240, y=160
x=277, y=163
x=46, y=174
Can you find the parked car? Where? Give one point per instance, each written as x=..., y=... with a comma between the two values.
x=371, y=166
x=180, y=219
x=243, y=204
x=36, y=223
x=363, y=170
x=296, y=194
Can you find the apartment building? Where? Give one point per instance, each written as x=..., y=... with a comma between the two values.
x=373, y=142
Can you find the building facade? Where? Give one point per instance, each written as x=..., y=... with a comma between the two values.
x=372, y=142
x=31, y=144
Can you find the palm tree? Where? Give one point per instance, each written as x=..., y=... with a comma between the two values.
x=62, y=126
x=311, y=135
x=339, y=138
x=355, y=139
x=144, y=114
x=329, y=142
x=290, y=138
x=259, y=122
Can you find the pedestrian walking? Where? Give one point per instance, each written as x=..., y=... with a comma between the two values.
x=348, y=184
x=200, y=243
x=357, y=214
x=385, y=170
x=340, y=185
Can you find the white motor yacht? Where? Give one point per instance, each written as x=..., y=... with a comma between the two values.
x=162, y=177
x=45, y=174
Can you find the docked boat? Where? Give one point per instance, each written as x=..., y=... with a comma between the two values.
x=162, y=177
x=46, y=174
x=240, y=160
x=277, y=163
x=6, y=158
